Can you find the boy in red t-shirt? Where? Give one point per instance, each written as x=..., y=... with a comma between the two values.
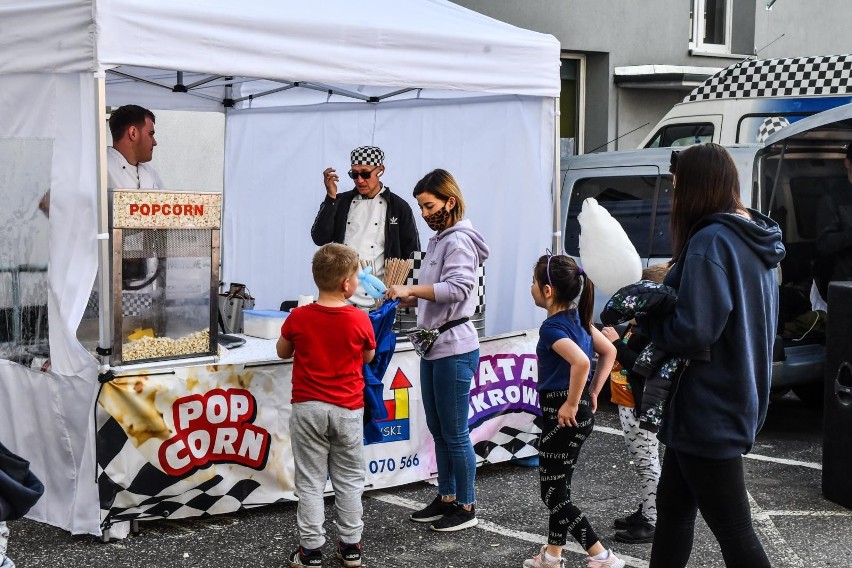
x=329, y=341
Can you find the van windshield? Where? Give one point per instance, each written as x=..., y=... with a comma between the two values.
x=642, y=204
x=682, y=135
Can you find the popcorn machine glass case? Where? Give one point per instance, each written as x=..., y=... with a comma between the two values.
x=165, y=259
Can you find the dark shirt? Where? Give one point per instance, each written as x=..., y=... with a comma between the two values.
x=401, y=238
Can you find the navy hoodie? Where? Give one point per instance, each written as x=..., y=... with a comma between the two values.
x=727, y=300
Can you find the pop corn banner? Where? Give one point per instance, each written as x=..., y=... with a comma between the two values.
x=191, y=441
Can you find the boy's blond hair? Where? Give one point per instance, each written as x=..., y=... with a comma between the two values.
x=655, y=272
x=332, y=264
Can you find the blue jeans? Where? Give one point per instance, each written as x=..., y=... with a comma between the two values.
x=445, y=388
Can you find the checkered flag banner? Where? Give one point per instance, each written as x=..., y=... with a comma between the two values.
x=509, y=443
x=770, y=126
x=151, y=493
x=789, y=77
x=368, y=156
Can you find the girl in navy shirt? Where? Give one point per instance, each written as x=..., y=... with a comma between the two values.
x=568, y=397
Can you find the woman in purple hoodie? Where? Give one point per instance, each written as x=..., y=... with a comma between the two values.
x=446, y=297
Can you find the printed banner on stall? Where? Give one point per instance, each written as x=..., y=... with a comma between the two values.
x=215, y=439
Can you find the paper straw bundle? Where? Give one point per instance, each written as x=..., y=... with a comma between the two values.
x=396, y=272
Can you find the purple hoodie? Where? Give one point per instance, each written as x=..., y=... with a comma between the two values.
x=450, y=263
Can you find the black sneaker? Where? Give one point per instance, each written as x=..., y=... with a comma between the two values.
x=298, y=558
x=433, y=511
x=459, y=520
x=630, y=520
x=640, y=533
x=349, y=554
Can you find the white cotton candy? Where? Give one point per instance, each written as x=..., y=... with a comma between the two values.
x=606, y=253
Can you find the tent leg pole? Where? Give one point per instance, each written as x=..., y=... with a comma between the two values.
x=103, y=278
x=557, y=181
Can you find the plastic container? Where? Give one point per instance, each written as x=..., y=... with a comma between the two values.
x=265, y=324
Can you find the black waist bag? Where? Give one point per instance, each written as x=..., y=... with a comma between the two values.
x=423, y=339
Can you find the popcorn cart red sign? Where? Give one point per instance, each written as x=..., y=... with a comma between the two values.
x=133, y=209
x=215, y=427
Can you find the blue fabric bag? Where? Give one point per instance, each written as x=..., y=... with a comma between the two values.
x=374, y=403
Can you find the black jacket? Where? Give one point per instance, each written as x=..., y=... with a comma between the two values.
x=401, y=238
x=727, y=298
x=653, y=368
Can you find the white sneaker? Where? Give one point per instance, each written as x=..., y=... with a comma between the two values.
x=611, y=561
x=540, y=561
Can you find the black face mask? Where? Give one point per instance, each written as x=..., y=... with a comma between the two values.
x=438, y=220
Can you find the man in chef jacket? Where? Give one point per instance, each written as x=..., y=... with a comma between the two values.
x=132, y=129
x=369, y=218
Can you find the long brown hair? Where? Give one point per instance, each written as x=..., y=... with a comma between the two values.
x=706, y=182
x=566, y=279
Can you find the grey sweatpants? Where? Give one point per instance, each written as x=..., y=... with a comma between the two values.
x=327, y=441
x=645, y=454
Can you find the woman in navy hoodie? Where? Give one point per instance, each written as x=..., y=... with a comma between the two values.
x=723, y=268
x=446, y=298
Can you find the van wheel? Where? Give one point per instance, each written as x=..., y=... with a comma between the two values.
x=810, y=395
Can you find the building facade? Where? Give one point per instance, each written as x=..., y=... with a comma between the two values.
x=625, y=63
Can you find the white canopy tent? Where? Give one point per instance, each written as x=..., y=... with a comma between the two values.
x=434, y=84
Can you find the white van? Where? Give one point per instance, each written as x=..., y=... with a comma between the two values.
x=748, y=101
x=785, y=178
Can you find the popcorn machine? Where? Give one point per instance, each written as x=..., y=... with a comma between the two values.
x=164, y=273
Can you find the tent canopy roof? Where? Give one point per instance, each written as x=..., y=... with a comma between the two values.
x=429, y=44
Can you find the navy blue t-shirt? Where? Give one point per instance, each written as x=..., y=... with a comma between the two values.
x=554, y=372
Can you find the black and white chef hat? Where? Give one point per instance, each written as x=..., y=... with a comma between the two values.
x=368, y=156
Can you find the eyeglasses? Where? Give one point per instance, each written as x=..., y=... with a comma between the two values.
x=363, y=175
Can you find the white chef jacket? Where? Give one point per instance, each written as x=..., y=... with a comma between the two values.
x=365, y=232
x=122, y=175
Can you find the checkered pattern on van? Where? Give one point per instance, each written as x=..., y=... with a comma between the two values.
x=789, y=77
x=770, y=126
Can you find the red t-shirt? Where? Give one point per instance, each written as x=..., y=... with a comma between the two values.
x=328, y=360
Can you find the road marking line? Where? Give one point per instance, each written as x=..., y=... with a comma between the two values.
x=757, y=457
x=488, y=526
x=777, y=544
x=809, y=513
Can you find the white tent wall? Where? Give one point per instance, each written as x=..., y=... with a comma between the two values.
x=500, y=149
x=46, y=417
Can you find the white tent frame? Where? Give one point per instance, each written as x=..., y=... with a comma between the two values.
x=102, y=36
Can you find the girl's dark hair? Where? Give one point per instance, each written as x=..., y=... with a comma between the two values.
x=706, y=182
x=566, y=279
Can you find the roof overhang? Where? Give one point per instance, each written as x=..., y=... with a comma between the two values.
x=667, y=77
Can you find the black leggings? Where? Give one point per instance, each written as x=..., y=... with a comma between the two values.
x=558, y=448
x=716, y=488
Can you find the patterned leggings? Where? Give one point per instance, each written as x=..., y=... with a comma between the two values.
x=558, y=448
x=645, y=453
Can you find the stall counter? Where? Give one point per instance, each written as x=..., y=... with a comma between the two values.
x=195, y=440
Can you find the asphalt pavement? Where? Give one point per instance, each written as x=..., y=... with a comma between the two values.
x=797, y=526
